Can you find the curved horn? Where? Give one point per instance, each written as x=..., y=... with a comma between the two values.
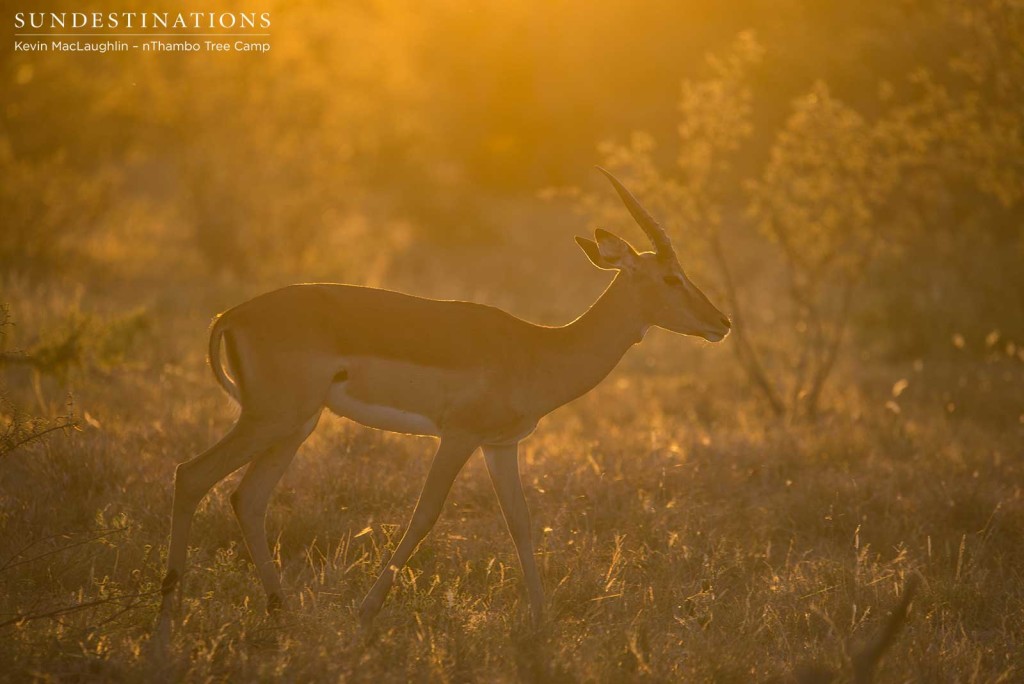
x=662, y=244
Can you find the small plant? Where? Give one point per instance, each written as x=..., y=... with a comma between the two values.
x=19, y=428
x=80, y=340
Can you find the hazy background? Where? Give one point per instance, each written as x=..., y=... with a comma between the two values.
x=845, y=179
x=382, y=141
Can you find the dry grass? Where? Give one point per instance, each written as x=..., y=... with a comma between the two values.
x=683, y=534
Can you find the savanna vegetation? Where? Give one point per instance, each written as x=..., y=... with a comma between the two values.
x=845, y=179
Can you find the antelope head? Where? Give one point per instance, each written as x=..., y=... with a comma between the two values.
x=659, y=287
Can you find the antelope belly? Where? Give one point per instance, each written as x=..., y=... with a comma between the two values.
x=377, y=415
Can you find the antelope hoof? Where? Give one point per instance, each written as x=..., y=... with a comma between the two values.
x=275, y=604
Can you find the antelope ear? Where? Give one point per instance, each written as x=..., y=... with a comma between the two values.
x=593, y=253
x=614, y=250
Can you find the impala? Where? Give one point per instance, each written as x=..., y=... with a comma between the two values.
x=471, y=375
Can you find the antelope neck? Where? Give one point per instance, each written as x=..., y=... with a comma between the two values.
x=586, y=350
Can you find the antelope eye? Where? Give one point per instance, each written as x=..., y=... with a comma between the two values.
x=673, y=281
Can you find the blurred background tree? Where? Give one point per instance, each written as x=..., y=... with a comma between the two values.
x=836, y=170
x=840, y=195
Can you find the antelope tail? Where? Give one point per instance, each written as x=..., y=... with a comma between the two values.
x=217, y=332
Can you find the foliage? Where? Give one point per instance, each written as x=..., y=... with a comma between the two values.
x=76, y=343
x=838, y=188
x=46, y=208
x=19, y=428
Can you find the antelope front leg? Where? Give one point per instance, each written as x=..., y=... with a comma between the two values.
x=503, y=466
x=452, y=454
